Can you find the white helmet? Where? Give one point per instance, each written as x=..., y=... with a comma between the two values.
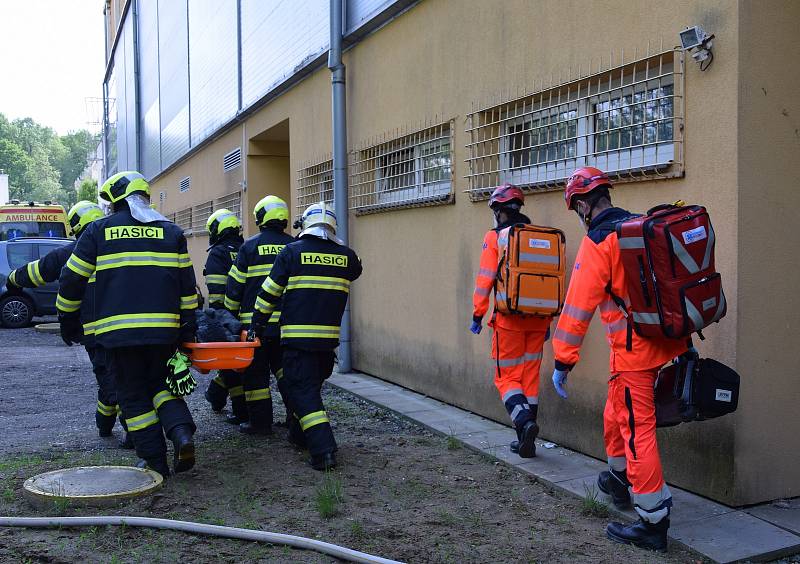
x=319, y=220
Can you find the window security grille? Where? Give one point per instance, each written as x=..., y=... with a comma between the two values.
x=232, y=202
x=315, y=185
x=183, y=219
x=231, y=160
x=185, y=184
x=410, y=171
x=627, y=121
x=200, y=215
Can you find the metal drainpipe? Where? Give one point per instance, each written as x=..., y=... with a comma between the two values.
x=340, y=157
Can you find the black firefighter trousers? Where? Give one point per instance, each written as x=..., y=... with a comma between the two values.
x=107, y=409
x=227, y=383
x=304, y=372
x=255, y=381
x=150, y=410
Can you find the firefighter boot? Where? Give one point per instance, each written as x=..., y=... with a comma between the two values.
x=250, y=428
x=234, y=419
x=127, y=442
x=324, y=461
x=181, y=437
x=650, y=536
x=616, y=485
x=216, y=395
x=105, y=423
x=157, y=464
x=526, y=446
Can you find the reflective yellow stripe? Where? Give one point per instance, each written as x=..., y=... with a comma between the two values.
x=34, y=274
x=264, y=306
x=107, y=410
x=318, y=283
x=88, y=328
x=230, y=304
x=135, y=321
x=12, y=278
x=312, y=419
x=142, y=421
x=275, y=317
x=219, y=381
x=216, y=298
x=92, y=278
x=161, y=397
x=279, y=374
x=310, y=331
x=256, y=395
x=121, y=260
x=67, y=306
x=255, y=270
x=185, y=260
x=236, y=391
x=236, y=274
x=216, y=279
x=246, y=317
x=189, y=302
x=80, y=266
x=272, y=287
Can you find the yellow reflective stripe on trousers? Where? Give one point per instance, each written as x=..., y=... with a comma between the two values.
x=312, y=419
x=216, y=279
x=136, y=321
x=80, y=266
x=34, y=274
x=161, y=397
x=236, y=391
x=236, y=274
x=120, y=260
x=255, y=270
x=107, y=410
x=67, y=306
x=272, y=287
x=189, y=302
x=256, y=395
x=310, y=331
x=279, y=374
x=142, y=421
x=216, y=298
x=230, y=304
x=318, y=283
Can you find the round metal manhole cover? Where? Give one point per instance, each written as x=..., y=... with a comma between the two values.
x=96, y=486
x=52, y=328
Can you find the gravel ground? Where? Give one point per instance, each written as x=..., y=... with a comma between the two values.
x=400, y=491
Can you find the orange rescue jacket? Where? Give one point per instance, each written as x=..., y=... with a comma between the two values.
x=484, y=287
x=597, y=264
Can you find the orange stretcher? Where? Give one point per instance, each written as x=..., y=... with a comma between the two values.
x=222, y=355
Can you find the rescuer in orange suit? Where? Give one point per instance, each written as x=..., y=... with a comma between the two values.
x=629, y=418
x=517, y=339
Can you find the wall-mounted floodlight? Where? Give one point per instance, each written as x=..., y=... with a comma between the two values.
x=698, y=42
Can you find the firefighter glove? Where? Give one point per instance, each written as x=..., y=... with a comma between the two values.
x=476, y=326
x=560, y=382
x=180, y=381
x=71, y=329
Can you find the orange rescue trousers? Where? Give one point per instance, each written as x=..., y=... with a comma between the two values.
x=518, y=356
x=630, y=438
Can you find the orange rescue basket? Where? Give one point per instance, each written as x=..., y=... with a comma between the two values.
x=237, y=356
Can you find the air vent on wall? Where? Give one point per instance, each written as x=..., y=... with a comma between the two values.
x=185, y=184
x=232, y=160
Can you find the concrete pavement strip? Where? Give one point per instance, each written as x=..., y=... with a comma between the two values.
x=723, y=534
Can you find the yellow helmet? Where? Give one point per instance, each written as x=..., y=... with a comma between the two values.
x=221, y=220
x=122, y=185
x=269, y=208
x=319, y=214
x=82, y=214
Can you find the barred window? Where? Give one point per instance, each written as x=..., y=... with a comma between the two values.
x=315, y=185
x=409, y=171
x=200, y=215
x=232, y=202
x=183, y=219
x=626, y=121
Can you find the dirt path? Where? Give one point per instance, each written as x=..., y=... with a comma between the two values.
x=403, y=492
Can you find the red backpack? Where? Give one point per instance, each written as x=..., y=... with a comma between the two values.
x=668, y=258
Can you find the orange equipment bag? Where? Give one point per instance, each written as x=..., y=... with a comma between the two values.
x=222, y=355
x=531, y=270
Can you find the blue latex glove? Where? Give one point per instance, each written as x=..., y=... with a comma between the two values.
x=476, y=327
x=560, y=382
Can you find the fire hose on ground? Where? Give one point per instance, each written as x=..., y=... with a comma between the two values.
x=198, y=529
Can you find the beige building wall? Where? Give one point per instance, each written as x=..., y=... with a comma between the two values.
x=412, y=307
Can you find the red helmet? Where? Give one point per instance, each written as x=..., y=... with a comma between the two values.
x=583, y=181
x=506, y=193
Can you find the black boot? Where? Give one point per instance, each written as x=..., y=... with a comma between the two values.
x=104, y=424
x=234, y=419
x=616, y=485
x=324, y=461
x=183, y=456
x=127, y=442
x=514, y=446
x=159, y=465
x=651, y=536
x=249, y=428
x=216, y=396
x=527, y=440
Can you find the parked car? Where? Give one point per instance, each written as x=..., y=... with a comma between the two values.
x=19, y=306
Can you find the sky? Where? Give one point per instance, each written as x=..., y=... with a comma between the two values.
x=51, y=60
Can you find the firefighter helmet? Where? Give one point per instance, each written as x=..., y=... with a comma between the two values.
x=221, y=220
x=320, y=214
x=269, y=208
x=82, y=214
x=505, y=194
x=122, y=185
x=583, y=181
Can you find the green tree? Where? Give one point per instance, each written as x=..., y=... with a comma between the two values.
x=88, y=190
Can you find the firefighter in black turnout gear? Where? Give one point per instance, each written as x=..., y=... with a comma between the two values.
x=145, y=307
x=253, y=264
x=224, y=235
x=48, y=269
x=312, y=278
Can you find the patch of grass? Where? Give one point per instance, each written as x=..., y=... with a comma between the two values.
x=18, y=462
x=357, y=530
x=328, y=496
x=591, y=505
x=446, y=518
x=61, y=506
x=452, y=442
x=8, y=494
